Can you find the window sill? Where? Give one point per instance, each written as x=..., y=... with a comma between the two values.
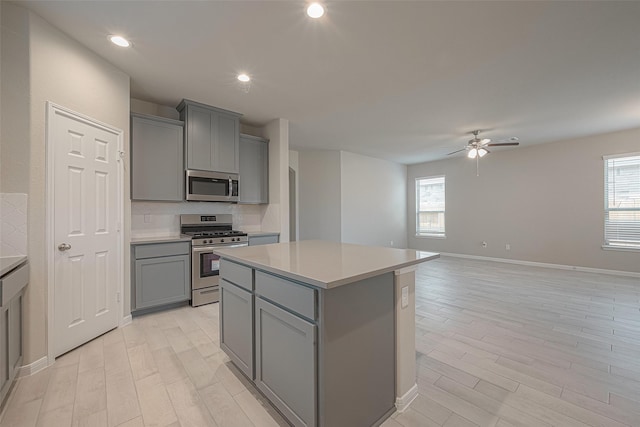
x=621, y=248
x=431, y=236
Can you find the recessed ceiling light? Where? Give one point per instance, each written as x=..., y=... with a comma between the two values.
x=120, y=41
x=244, y=78
x=315, y=10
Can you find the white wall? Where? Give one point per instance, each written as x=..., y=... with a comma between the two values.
x=63, y=71
x=352, y=198
x=294, y=194
x=276, y=217
x=319, y=199
x=546, y=201
x=374, y=204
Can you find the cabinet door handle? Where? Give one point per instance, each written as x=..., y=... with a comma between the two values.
x=208, y=292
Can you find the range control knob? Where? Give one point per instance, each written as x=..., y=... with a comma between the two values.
x=221, y=240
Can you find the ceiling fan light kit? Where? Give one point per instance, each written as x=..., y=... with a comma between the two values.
x=476, y=147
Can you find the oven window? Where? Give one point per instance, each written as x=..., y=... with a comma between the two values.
x=209, y=265
x=208, y=186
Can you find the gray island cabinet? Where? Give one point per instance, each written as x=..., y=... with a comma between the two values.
x=314, y=325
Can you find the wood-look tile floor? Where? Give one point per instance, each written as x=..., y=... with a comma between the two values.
x=497, y=345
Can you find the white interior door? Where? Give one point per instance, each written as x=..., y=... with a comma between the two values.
x=86, y=216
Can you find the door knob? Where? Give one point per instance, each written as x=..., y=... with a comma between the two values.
x=64, y=247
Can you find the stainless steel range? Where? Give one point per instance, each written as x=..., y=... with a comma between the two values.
x=208, y=232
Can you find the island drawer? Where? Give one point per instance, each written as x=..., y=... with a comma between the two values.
x=294, y=296
x=162, y=249
x=237, y=274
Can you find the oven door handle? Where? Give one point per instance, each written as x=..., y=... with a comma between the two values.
x=211, y=248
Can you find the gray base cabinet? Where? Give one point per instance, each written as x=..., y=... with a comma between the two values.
x=236, y=325
x=323, y=357
x=157, y=165
x=264, y=239
x=254, y=170
x=286, y=362
x=161, y=274
x=12, y=295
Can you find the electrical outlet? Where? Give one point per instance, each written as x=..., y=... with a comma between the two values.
x=391, y=243
x=405, y=297
x=147, y=218
x=507, y=247
x=484, y=244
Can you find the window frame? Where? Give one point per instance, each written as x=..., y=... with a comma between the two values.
x=430, y=235
x=607, y=242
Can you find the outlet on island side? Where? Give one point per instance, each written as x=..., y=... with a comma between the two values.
x=484, y=244
x=507, y=247
x=147, y=218
x=405, y=297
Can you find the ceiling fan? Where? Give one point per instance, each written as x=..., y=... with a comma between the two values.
x=477, y=147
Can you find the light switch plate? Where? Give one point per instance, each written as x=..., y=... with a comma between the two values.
x=405, y=297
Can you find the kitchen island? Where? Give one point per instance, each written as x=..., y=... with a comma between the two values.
x=325, y=330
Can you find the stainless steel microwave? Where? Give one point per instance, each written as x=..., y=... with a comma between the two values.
x=206, y=186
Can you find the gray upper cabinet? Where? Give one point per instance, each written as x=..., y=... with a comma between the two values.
x=212, y=137
x=157, y=165
x=254, y=170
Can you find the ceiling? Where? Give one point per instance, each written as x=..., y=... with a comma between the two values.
x=403, y=81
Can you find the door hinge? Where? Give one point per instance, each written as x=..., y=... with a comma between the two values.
x=118, y=226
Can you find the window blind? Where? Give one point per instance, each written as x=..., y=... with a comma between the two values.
x=622, y=201
x=430, y=206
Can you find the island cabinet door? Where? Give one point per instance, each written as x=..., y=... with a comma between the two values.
x=236, y=326
x=286, y=362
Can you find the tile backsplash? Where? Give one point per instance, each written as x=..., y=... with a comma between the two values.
x=151, y=219
x=13, y=224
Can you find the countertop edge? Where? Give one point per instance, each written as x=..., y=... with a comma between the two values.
x=160, y=239
x=14, y=262
x=332, y=284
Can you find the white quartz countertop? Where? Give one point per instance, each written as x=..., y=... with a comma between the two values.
x=8, y=263
x=160, y=239
x=262, y=233
x=325, y=264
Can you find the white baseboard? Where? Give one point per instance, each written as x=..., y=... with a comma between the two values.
x=403, y=402
x=546, y=265
x=32, y=368
x=126, y=320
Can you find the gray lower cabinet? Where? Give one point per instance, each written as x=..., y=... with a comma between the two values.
x=211, y=137
x=161, y=274
x=157, y=165
x=322, y=357
x=12, y=291
x=254, y=170
x=286, y=377
x=236, y=325
x=264, y=239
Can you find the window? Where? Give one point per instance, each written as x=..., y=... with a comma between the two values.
x=430, y=206
x=622, y=201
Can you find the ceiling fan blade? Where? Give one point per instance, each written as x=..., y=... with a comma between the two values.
x=502, y=144
x=457, y=151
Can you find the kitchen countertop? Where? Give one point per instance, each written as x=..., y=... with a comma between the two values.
x=8, y=263
x=325, y=264
x=160, y=239
x=263, y=233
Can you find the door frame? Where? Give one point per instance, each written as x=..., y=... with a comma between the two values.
x=51, y=110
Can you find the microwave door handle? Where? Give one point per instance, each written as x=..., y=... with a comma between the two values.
x=230, y=187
